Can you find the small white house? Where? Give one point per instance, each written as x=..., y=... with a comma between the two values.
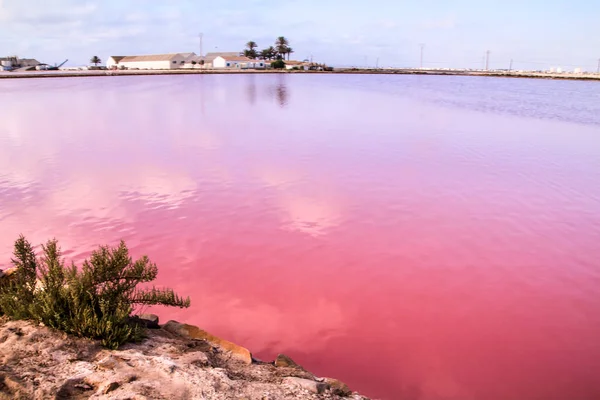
x=153, y=61
x=239, y=62
x=297, y=64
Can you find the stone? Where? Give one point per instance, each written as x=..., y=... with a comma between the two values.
x=284, y=361
x=236, y=352
x=338, y=387
x=150, y=320
x=306, y=384
x=7, y=273
x=110, y=387
x=110, y=362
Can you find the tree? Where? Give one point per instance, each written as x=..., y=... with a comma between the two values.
x=250, y=53
x=194, y=63
x=268, y=54
x=279, y=64
x=94, y=301
x=250, y=50
x=289, y=51
x=95, y=60
x=251, y=45
x=201, y=63
x=281, y=45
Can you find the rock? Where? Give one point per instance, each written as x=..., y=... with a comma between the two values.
x=306, y=384
x=284, y=361
x=149, y=320
x=9, y=385
x=338, y=387
x=110, y=362
x=193, y=332
x=7, y=273
x=110, y=387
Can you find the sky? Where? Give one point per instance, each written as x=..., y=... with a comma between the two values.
x=535, y=34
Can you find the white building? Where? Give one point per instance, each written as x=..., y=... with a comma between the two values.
x=297, y=64
x=113, y=61
x=578, y=70
x=153, y=61
x=239, y=62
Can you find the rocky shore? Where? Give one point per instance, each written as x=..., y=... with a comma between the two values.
x=175, y=362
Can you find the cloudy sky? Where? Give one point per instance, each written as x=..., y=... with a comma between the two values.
x=456, y=33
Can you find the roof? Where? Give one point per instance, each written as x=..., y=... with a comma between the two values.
x=292, y=62
x=223, y=54
x=150, y=57
x=237, y=58
x=117, y=58
x=199, y=58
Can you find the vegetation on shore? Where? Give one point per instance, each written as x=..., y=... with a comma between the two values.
x=94, y=301
x=95, y=60
x=278, y=52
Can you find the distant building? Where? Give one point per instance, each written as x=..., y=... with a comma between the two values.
x=297, y=64
x=577, y=71
x=14, y=62
x=28, y=62
x=113, y=61
x=196, y=61
x=559, y=70
x=239, y=62
x=151, y=61
x=222, y=54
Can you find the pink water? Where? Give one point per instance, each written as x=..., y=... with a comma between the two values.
x=420, y=238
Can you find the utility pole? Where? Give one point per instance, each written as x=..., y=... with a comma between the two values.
x=598, y=70
x=422, y=45
x=510, y=68
x=366, y=61
x=377, y=63
x=487, y=60
x=201, y=34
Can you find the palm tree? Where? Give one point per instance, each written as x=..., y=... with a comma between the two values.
x=268, y=53
x=251, y=45
x=281, y=44
x=250, y=52
x=289, y=51
x=95, y=60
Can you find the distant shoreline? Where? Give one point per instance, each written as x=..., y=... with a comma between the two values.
x=496, y=74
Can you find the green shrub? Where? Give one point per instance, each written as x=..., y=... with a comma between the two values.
x=279, y=64
x=95, y=301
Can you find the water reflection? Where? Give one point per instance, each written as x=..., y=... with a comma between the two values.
x=318, y=242
x=280, y=90
x=251, y=88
